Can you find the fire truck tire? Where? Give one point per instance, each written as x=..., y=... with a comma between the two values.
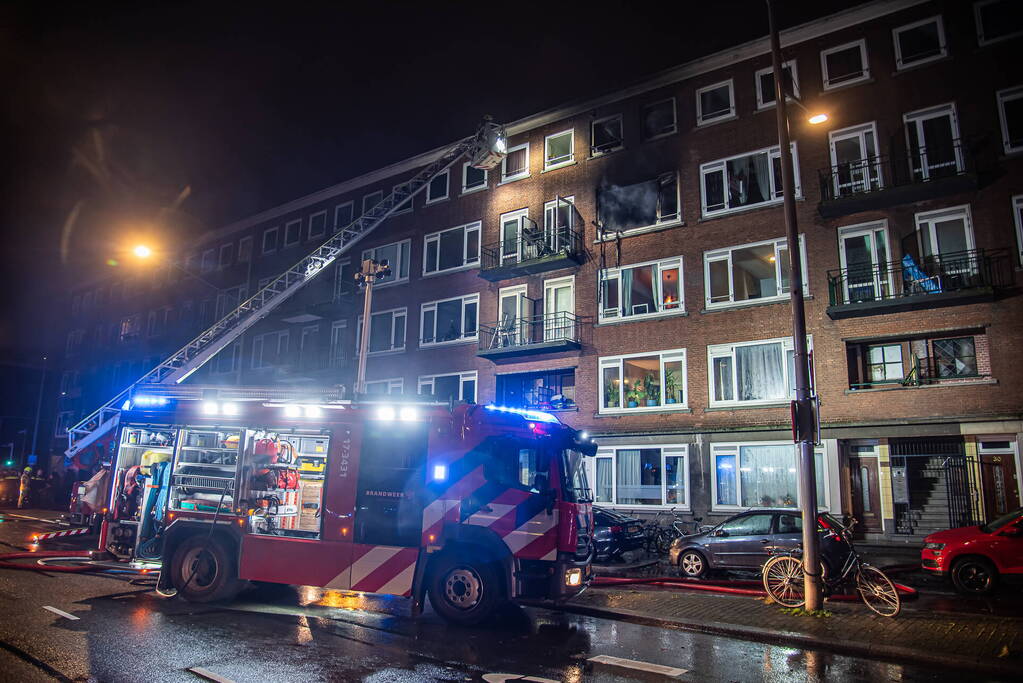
x=215, y=576
x=464, y=591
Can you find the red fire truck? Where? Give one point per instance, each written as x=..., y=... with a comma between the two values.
x=473, y=505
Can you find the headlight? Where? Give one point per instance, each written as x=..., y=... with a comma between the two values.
x=573, y=577
x=934, y=546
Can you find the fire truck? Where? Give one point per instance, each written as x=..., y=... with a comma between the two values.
x=472, y=505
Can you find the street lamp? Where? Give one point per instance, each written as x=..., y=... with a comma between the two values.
x=144, y=252
x=804, y=408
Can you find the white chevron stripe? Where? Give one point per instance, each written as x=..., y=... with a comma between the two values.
x=340, y=582
x=370, y=561
x=433, y=513
x=531, y=530
x=400, y=584
x=551, y=556
x=497, y=511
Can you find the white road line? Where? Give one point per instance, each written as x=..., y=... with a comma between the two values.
x=209, y=675
x=639, y=666
x=502, y=678
x=61, y=613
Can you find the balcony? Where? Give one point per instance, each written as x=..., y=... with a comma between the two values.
x=878, y=182
x=925, y=370
x=533, y=250
x=944, y=280
x=549, y=333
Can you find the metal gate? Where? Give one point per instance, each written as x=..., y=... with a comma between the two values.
x=932, y=485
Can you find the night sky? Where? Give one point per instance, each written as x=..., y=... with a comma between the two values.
x=112, y=112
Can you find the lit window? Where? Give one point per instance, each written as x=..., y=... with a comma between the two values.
x=997, y=20
x=749, y=273
x=845, y=64
x=745, y=180
x=451, y=320
x=318, y=225
x=752, y=373
x=625, y=208
x=1010, y=114
x=884, y=364
x=765, y=83
x=606, y=135
x=452, y=249
x=920, y=42
x=515, y=164
x=559, y=149
x=643, y=381
x=473, y=179
x=714, y=102
x=641, y=290
x=437, y=190
x=761, y=475
x=642, y=476
x=658, y=119
x=397, y=257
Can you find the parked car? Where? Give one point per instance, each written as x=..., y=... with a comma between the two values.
x=975, y=558
x=746, y=540
x=615, y=532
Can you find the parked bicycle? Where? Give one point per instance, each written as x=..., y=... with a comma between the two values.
x=660, y=537
x=783, y=572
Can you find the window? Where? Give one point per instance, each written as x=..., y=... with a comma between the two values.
x=406, y=205
x=337, y=354
x=270, y=349
x=437, y=190
x=946, y=233
x=864, y=253
x=1010, y=114
x=606, y=135
x=750, y=373
x=229, y=360
x=131, y=326
x=343, y=215
x=550, y=390
x=460, y=386
x=473, y=179
x=451, y=249
x=997, y=20
x=370, y=200
x=918, y=360
x=518, y=232
x=855, y=166
x=643, y=289
x=765, y=83
x=558, y=149
x=761, y=475
x=955, y=357
x=1017, y=214
x=643, y=381
x=397, y=256
x=209, y=260
x=933, y=139
x=318, y=225
x=344, y=280
x=845, y=65
x=307, y=345
x=226, y=254
x=450, y=320
x=229, y=299
x=884, y=364
x=515, y=164
x=643, y=476
x=559, y=309
x=391, y=387
x=624, y=208
x=270, y=241
x=245, y=249
x=658, y=119
x=386, y=332
x=715, y=102
x=292, y=232
x=920, y=42
x=752, y=179
x=64, y=421
x=749, y=273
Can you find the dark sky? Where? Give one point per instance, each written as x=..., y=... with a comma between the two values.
x=113, y=111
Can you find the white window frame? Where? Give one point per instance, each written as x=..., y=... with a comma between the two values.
x=725, y=254
x=981, y=40
x=732, y=449
x=336, y=351
x=396, y=268
x=469, y=260
x=298, y=233
x=721, y=166
x=900, y=63
x=430, y=199
x=916, y=119
x=862, y=45
x=243, y=241
x=505, y=178
x=551, y=330
x=674, y=115
x=516, y=256
x=477, y=188
x=411, y=200
x=278, y=338
x=312, y=219
x=728, y=351
x=394, y=385
x=603, y=276
x=673, y=450
x=1017, y=212
x=234, y=352
x=925, y=221
x=701, y=120
x=1003, y=96
x=869, y=172
x=466, y=301
x=594, y=152
x=791, y=64
x=269, y=231
x=881, y=280
x=394, y=313
x=661, y=222
x=618, y=362
x=350, y=206
x=547, y=164
x=339, y=282
x=367, y=204
x=463, y=379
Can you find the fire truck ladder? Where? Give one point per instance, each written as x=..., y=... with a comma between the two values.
x=193, y=355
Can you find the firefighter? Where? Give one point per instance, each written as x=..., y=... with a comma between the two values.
x=24, y=489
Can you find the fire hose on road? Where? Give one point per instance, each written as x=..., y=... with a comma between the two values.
x=727, y=587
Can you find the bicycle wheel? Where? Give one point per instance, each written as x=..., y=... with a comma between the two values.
x=783, y=580
x=877, y=591
x=664, y=540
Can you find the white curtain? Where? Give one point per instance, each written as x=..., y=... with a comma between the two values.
x=604, y=480
x=768, y=476
x=762, y=173
x=761, y=373
x=629, y=476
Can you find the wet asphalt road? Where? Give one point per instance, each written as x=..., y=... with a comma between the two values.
x=125, y=632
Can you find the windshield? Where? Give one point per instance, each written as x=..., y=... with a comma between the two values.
x=576, y=487
x=994, y=526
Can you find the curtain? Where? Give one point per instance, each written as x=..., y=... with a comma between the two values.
x=725, y=471
x=629, y=476
x=767, y=475
x=761, y=168
x=761, y=373
x=604, y=480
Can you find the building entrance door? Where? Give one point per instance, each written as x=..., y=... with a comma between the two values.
x=866, y=497
x=1001, y=492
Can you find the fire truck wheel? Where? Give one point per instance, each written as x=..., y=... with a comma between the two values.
x=202, y=570
x=463, y=591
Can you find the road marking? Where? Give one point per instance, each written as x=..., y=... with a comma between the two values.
x=209, y=675
x=637, y=665
x=61, y=613
x=501, y=678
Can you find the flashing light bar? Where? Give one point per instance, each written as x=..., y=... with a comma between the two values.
x=404, y=413
x=534, y=415
x=150, y=401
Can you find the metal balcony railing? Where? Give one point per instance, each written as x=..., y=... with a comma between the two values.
x=532, y=243
x=876, y=173
x=939, y=274
x=517, y=333
x=926, y=370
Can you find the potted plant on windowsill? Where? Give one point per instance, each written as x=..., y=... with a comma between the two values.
x=672, y=384
x=653, y=391
x=632, y=396
x=612, y=397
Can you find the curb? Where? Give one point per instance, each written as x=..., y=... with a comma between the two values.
x=895, y=653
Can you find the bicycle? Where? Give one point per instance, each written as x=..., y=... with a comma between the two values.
x=652, y=533
x=783, y=575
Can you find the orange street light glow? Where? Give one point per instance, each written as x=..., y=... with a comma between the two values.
x=142, y=251
x=818, y=118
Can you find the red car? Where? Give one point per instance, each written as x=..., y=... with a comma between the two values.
x=976, y=557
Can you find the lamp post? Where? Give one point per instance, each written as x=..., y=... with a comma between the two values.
x=803, y=408
x=370, y=270
x=144, y=252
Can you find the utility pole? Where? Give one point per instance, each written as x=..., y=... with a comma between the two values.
x=369, y=272
x=804, y=407
x=39, y=409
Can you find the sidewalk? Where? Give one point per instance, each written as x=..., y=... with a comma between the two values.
x=992, y=644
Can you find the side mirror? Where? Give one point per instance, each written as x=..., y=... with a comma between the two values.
x=720, y=533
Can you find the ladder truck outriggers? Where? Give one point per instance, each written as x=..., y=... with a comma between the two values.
x=471, y=505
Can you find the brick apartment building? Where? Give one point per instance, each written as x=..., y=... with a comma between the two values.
x=626, y=266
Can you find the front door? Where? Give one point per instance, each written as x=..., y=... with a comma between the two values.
x=1001, y=487
x=866, y=497
x=743, y=542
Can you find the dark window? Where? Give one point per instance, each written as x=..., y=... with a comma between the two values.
x=658, y=119
x=606, y=135
x=542, y=390
x=389, y=501
x=998, y=19
x=474, y=177
x=919, y=43
x=955, y=357
x=624, y=207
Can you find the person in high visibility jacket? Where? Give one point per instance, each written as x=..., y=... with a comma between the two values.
x=26, y=485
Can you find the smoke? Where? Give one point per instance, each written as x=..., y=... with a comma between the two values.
x=622, y=207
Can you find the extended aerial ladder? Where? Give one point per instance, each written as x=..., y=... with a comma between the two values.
x=485, y=150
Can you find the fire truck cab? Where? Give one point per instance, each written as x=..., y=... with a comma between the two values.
x=473, y=505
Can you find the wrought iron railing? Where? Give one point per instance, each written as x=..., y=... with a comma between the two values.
x=875, y=173
x=531, y=243
x=514, y=333
x=934, y=275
